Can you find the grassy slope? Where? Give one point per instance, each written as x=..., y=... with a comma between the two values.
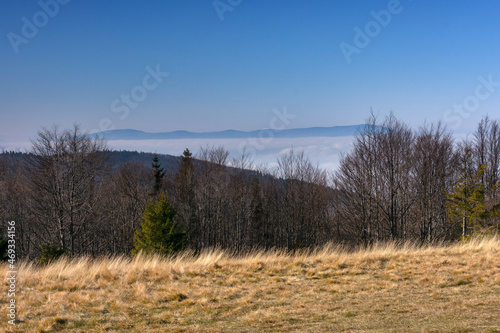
x=384, y=289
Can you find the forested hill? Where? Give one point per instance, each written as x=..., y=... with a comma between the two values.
x=397, y=183
x=168, y=162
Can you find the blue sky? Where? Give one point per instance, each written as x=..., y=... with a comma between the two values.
x=233, y=73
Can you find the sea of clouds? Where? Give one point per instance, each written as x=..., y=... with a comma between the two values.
x=322, y=151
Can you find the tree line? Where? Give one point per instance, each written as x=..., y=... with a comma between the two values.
x=68, y=196
x=401, y=184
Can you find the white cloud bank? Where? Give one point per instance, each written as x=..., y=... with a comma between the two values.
x=324, y=151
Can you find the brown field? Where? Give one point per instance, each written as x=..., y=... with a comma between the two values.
x=387, y=288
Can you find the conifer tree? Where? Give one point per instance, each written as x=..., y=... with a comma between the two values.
x=185, y=191
x=158, y=232
x=159, y=174
x=185, y=178
x=466, y=200
x=258, y=214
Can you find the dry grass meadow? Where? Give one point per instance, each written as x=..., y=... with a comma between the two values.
x=386, y=288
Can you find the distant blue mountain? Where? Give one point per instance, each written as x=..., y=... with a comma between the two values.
x=335, y=131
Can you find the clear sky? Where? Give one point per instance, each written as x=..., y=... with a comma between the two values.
x=230, y=63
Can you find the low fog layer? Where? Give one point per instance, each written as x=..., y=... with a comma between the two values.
x=320, y=150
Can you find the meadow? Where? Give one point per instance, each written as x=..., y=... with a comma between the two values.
x=383, y=288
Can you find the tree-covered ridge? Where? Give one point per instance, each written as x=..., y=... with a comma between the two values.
x=71, y=194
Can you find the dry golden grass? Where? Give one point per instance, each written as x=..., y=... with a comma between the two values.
x=386, y=288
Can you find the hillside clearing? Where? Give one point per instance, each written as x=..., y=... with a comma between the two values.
x=386, y=288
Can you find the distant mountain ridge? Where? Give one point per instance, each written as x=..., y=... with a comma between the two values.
x=334, y=131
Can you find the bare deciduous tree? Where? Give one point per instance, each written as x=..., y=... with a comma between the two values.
x=65, y=170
